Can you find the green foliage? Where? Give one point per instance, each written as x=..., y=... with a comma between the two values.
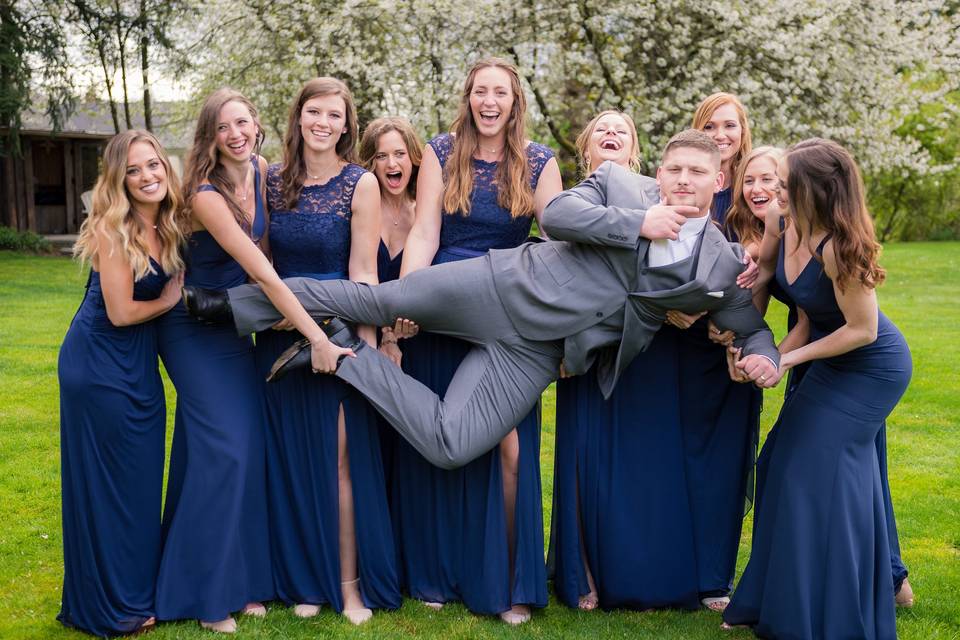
x=13, y=240
x=38, y=296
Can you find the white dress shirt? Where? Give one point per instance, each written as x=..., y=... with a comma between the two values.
x=666, y=251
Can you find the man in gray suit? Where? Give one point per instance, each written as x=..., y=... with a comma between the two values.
x=597, y=292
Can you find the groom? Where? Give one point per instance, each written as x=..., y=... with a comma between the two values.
x=598, y=293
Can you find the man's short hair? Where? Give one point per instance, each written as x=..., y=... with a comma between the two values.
x=692, y=139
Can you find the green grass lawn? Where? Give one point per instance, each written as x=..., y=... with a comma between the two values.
x=38, y=296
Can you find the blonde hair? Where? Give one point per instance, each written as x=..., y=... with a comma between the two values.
x=293, y=172
x=583, y=142
x=705, y=111
x=740, y=220
x=112, y=215
x=371, y=138
x=203, y=160
x=826, y=191
x=513, y=172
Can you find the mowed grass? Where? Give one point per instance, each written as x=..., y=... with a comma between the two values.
x=39, y=295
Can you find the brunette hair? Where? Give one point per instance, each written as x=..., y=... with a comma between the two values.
x=740, y=220
x=705, y=110
x=513, y=172
x=826, y=191
x=583, y=142
x=371, y=138
x=692, y=139
x=112, y=215
x=203, y=160
x=293, y=171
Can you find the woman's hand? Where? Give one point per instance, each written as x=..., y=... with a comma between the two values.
x=749, y=277
x=720, y=337
x=283, y=325
x=682, y=320
x=404, y=328
x=392, y=351
x=172, y=291
x=325, y=355
x=733, y=356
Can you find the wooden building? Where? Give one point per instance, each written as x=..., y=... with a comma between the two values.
x=42, y=189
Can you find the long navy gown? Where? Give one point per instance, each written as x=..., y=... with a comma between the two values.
x=622, y=460
x=216, y=549
x=451, y=525
x=819, y=565
x=313, y=240
x=720, y=422
x=112, y=421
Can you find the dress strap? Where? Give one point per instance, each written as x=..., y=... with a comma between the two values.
x=260, y=211
x=207, y=187
x=823, y=243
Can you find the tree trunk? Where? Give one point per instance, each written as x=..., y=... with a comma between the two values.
x=102, y=52
x=122, y=50
x=145, y=68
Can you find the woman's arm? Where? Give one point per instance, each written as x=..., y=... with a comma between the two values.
x=365, y=239
x=860, y=313
x=116, y=280
x=769, y=245
x=548, y=186
x=424, y=237
x=798, y=336
x=210, y=209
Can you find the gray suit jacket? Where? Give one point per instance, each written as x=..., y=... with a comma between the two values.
x=590, y=286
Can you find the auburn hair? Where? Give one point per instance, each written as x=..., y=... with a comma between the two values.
x=203, y=160
x=705, y=111
x=112, y=215
x=583, y=142
x=826, y=192
x=293, y=171
x=371, y=138
x=513, y=171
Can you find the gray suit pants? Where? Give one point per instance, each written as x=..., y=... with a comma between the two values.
x=496, y=385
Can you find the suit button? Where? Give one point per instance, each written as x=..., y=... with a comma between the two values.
x=599, y=314
x=643, y=272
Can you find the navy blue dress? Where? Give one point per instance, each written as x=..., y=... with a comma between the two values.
x=819, y=565
x=313, y=240
x=451, y=525
x=216, y=553
x=388, y=268
x=622, y=459
x=112, y=421
x=720, y=423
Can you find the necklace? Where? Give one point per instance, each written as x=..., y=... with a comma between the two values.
x=144, y=220
x=395, y=217
x=320, y=175
x=246, y=189
x=482, y=148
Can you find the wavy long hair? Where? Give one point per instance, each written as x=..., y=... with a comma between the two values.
x=513, y=171
x=203, y=161
x=583, y=142
x=113, y=216
x=705, y=111
x=293, y=171
x=826, y=191
x=371, y=138
x=740, y=219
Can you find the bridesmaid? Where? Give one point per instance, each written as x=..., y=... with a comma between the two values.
x=330, y=527
x=818, y=565
x=216, y=555
x=720, y=419
x=603, y=548
x=391, y=149
x=112, y=412
x=475, y=534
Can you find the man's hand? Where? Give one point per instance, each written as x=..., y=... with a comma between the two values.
x=663, y=221
x=760, y=370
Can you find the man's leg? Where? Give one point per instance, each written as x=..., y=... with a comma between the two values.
x=457, y=299
x=495, y=386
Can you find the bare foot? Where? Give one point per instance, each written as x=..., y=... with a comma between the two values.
x=904, y=597
x=254, y=609
x=148, y=625
x=717, y=604
x=436, y=606
x=518, y=614
x=353, y=608
x=730, y=627
x=306, y=610
x=588, y=602
x=227, y=625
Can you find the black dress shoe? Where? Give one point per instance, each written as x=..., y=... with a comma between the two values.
x=297, y=355
x=207, y=305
